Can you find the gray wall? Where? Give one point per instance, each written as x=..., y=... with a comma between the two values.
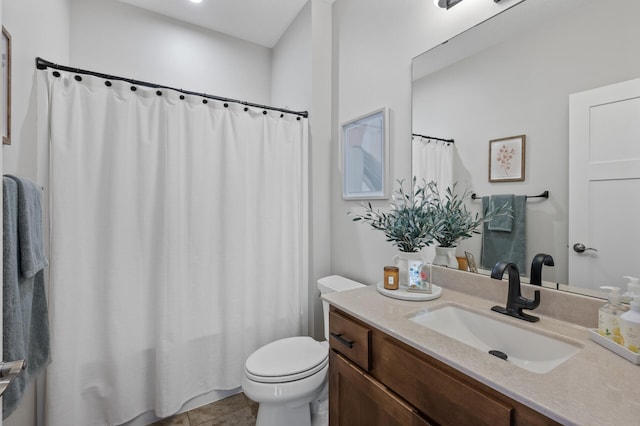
x=116, y=38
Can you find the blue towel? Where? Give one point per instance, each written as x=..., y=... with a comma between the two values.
x=506, y=246
x=25, y=311
x=31, y=241
x=503, y=222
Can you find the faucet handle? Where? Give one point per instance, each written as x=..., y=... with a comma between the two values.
x=524, y=303
x=532, y=304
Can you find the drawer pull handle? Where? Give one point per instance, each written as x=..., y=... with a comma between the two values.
x=342, y=340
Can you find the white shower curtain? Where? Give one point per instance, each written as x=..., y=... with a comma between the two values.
x=178, y=245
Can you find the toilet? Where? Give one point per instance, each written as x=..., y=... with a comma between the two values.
x=289, y=377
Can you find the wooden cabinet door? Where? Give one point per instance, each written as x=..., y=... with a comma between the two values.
x=441, y=393
x=355, y=399
x=444, y=396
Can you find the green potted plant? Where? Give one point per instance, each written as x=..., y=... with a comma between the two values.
x=454, y=222
x=423, y=216
x=409, y=224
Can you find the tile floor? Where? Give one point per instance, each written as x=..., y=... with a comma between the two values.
x=236, y=410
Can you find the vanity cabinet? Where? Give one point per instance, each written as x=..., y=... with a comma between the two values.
x=375, y=379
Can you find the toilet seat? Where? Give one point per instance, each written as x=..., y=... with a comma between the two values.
x=287, y=360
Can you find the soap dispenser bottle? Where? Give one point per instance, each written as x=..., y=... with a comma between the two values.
x=609, y=315
x=630, y=326
x=633, y=289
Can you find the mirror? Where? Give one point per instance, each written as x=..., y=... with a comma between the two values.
x=512, y=75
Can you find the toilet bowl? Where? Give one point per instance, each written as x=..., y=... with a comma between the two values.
x=288, y=377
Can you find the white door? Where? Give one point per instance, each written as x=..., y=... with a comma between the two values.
x=604, y=185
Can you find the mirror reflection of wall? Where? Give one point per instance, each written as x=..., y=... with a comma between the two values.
x=521, y=85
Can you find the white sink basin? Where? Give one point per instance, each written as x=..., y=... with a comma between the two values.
x=526, y=349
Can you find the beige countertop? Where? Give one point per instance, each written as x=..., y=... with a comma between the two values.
x=594, y=387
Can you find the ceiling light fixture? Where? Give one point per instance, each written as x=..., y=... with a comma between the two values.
x=446, y=4
x=196, y=1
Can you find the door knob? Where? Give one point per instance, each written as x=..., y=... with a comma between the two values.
x=581, y=248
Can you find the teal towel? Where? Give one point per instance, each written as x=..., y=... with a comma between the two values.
x=502, y=222
x=31, y=240
x=506, y=246
x=25, y=312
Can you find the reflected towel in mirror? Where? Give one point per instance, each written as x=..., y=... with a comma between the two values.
x=502, y=222
x=506, y=246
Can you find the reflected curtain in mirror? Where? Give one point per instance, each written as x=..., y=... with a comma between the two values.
x=432, y=161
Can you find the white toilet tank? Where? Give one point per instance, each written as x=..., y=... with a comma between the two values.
x=332, y=284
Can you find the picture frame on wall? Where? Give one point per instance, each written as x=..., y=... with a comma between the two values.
x=6, y=87
x=365, y=156
x=471, y=262
x=507, y=159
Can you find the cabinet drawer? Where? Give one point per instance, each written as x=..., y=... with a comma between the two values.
x=445, y=398
x=350, y=339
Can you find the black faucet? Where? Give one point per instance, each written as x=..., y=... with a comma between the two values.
x=515, y=302
x=536, y=267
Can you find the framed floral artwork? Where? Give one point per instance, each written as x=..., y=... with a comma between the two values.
x=506, y=159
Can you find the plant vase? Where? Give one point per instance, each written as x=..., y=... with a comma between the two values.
x=409, y=265
x=446, y=256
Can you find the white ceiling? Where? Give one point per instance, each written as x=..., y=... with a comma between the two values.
x=259, y=21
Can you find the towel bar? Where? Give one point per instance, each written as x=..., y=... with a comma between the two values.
x=545, y=194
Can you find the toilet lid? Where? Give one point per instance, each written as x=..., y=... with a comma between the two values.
x=288, y=359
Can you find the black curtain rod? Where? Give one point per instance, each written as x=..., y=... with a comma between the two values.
x=545, y=194
x=433, y=138
x=43, y=64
